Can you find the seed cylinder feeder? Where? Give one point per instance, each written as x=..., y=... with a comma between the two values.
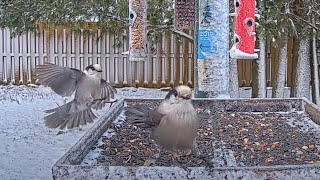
x=137, y=30
x=184, y=15
x=244, y=33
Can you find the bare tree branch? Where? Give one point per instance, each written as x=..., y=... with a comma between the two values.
x=187, y=36
x=293, y=26
x=173, y=30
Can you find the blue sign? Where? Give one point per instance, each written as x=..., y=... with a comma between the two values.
x=206, y=43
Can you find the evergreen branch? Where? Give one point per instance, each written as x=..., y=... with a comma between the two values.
x=305, y=21
x=124, y=20
x=173, y=30
x=316, y=12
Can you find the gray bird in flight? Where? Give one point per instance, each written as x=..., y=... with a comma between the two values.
x=91, y=92
x=174, y=123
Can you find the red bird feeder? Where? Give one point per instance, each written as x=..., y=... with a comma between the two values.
x=244, y=33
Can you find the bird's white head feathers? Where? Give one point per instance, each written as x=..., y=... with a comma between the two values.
x=184, y=91
x=97, y=67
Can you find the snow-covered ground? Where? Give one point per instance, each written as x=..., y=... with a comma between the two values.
x=28, y=149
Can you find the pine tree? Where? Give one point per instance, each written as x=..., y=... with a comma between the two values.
x=286, y=18
x=21, y=16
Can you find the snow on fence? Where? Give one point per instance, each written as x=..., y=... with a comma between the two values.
x=171, y=64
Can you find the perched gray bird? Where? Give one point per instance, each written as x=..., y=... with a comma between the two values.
x=91, y=91
x=174, y=123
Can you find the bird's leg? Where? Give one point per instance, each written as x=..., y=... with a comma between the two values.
x=101, y=99
x=149, y=162
x=189, y=152
x=111, y=102
x=153, y=158
x=205, y=159
x=157, y=155
x=176, y=159
x=174, y=156
x=60, y=132
x=65, y=101
x=196, y=150
x=201, y=156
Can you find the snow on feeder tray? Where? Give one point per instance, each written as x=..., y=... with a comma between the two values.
x=240, y=138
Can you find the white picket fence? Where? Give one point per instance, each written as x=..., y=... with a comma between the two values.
x=172, y=64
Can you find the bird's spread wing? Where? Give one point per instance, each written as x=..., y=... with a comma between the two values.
x=107, y=93
x=62, y=80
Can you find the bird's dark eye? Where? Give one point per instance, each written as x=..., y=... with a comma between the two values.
x=90, y=67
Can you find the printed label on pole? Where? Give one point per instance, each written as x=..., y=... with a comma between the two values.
x=206, y=46
x=212, y=45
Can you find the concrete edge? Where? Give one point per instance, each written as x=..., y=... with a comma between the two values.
x=82, y=147
x=241, y=104
x=226, y=99
x=312, y=109
x=143, y=172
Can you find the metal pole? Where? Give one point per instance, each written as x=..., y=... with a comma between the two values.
x=211, y=49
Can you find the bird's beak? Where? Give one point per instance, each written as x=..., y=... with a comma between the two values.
x=100, y=71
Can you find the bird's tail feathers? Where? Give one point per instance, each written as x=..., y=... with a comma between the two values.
x=53, y=110
x=69, y=116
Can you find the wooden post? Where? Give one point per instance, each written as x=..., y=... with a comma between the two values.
x=315, y=66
